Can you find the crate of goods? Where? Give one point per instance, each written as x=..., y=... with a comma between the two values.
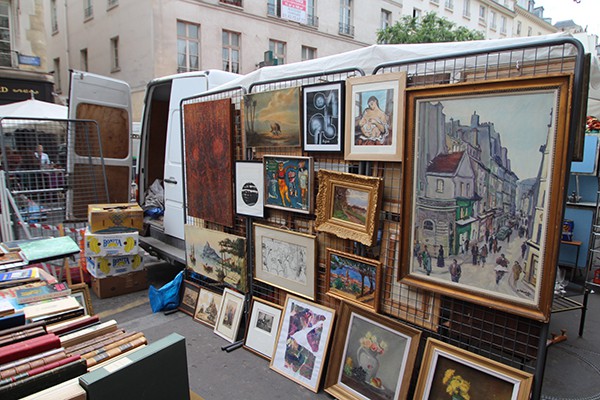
x=103, y=266
x=115, y=217
x=111, y=244
x=120, y=284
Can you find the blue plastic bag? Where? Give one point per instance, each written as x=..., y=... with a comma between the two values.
x=167, y=297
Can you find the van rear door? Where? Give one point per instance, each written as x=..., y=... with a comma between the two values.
x=108, y=102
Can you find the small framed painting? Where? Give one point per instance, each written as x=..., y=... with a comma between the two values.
x=262, y=327
x=302, y=341
x=189, y=297
x=288, y=183
x=249, y=188
x=323, y=117
x=207, y=307
x=230, y=315
x=353, y=278
x=348, y=205
x=448, y=371
x=375, y=117
x=372, y=356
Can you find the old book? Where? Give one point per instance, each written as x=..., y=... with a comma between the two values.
x=6, y=307
x=20, y=328
x=59, y=317
x=75, y=324
x=40, y=369
x=19, y=276
x=146, y=366
x=11, y=321
x=68, y=390
x=116, y=343
x=48, y=249
x=44, y=380
x=33, y=364
x=10, y=258
x=88, y=333
x=50, y=307
x=22, y=335
x=29, y=347
x=24, y=360
x=96, y=343
x=115, y=351
x=50, y=291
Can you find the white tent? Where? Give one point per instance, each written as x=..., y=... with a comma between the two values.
x=34, y=109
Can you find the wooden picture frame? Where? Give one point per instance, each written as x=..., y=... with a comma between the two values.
x=81, y=292
x=189, y=297
x=249, y=188
x=302, y=341
x=230, y=315
x=272, y=246
x=289, y=183
x=272, y=119
x=445, y=367
x=207, y=307
x=217, y=255
x=478, y=216
x=372, y=356
x=262, y=327
x=348, y=205
x=353, y=278
x=375, y=117
x=323, y=117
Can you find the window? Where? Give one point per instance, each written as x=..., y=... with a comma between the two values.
x=386, y=19
x=232, y=2
x=308, y=53
x=231, y=51
x=278, y=49
x=503, y=24
x=57, y=85
x=83, y=55
x=428, y=225
x=53, y=17
x=529, y=31
x=5, y=49
x=439, y=186
x=482, y=12
x=311, y=18
x=450, y=4
x=493, y=20
x=467, y=8
x=346, y=27
x=114, y=54
x=188, y=47
x=88, y=10
x=111, y=4
x=416, y=13
x=519, y=26
x=274, y=8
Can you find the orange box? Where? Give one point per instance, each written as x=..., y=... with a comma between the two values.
x=116, y=217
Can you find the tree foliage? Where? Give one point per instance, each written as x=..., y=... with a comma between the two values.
x=426, y=29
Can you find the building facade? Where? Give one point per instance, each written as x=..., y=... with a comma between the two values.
x=171, y=36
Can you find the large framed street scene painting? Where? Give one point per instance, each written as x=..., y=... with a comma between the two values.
x=485, y=168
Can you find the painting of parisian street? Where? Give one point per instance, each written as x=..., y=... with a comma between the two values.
x=482, y=171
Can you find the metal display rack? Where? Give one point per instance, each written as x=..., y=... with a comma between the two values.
x=492, y=333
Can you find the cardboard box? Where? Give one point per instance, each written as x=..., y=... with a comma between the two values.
x=101, y=267
x=116, y=217
x=111, y=244
x=121, y=284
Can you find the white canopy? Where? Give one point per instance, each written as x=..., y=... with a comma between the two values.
x=32, y=108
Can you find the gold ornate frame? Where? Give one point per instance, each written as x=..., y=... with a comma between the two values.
x=85, y=291
x=326, y=220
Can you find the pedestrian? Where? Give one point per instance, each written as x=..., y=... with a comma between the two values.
x=487, y=235
x=426, y=260
x=501, y=267
x=455, y=271
x=495, y=244
x=475, y=253
x=440, y=257
x=417, y=249
x=491, y=243
x=508, y=236
x=516, y=270
x=523, y=249
x=483, y=254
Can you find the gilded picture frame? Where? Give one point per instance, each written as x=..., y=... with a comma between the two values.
x=375, y=117
x=81, y=292
x=372, y=356
x=348, y=205
x=483, y=199
x=448, y=370
x=207, y=307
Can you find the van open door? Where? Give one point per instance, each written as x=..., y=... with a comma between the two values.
x=108, y=102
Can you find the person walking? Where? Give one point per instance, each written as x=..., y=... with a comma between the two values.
x=426, y=260
x=516, y=270
x=501, y=267
x=455, y=271
x=523, y=249
x=475, y=253
x=440, y=257
x=483, y=253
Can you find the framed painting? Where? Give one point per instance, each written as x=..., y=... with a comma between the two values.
x=189, y=297
x=285, y=259
x=353, y=278
x=249, y=188
x=323, y=117
x=289, y=183
x=217, y=255
x=209, y=145
x=372, y=356
x=230, y=315
x=81, y=292
x=348, y=205
x=272, y=119
x=302, y=341
x=484, y=197
x=451, y=372
x=207, y=307
x=375, y=117
x=262, y=327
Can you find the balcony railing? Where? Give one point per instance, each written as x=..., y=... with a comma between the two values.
x=312, y=20
x=232, y=2
x=346, y=29
x=88, y=12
